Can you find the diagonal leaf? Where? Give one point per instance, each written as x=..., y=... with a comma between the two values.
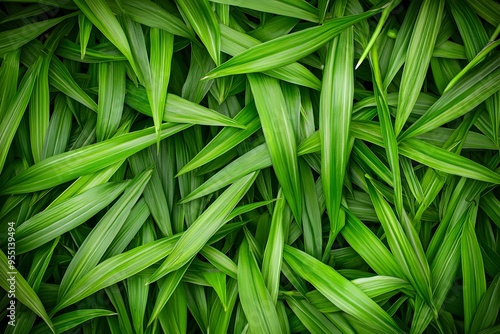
x=66, y=215
x=200, y=15
x=14, y=113
x=339, y=290
x=207, y=224
x=286, y=49
x=70, y=165
x=337, y=94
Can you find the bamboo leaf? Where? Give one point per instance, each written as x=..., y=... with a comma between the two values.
x=14, y=113
x=200, y=232
x=23, y=292
x=162, y=44
x=68, y=214
x=339, y=290
x=89, y=254
x=418, y=58
x=281, y=143
x=255, y=299
x=11, y=40
x=202, y=18
x=295, y=8
x=101, y=16
x=286, y=49
x=111, y=98
x=335, y=116
x=70, y=165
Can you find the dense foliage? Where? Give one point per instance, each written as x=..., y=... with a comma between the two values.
x=259, y=166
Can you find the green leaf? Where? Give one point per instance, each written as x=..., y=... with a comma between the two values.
x=162, y=44
x=281, y=142
x=293, y=8
x=207, y=224
x=312, y=319
x=178, y=109
x=200, y=15
x=226, y=139
x=101, y=16
x=235, y=42
x=14, y=113
x=408, y=256
x=22, y=290
x=63, y=217
x=418, y=58
x=152, y=15
x=388, y=133
x=85, y=30
x=337, y=94
x=70, y=320
x=111, y=98
x=273, y=253
x=472, y=89
x=97, y=242
x=70, y=165
x=11, y=40
x=252, y=161
x=369, y=247
x=487, y=310
x=286, y=49
x=474, y=279
x=446, y=161
x=255, y=300
x=340, y=291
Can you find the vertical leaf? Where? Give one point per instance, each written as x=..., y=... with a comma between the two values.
x=111, y=98
x=14, y=113
x=337, y=94
x=281, y=141
x=257, y=304
x=418, y=58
